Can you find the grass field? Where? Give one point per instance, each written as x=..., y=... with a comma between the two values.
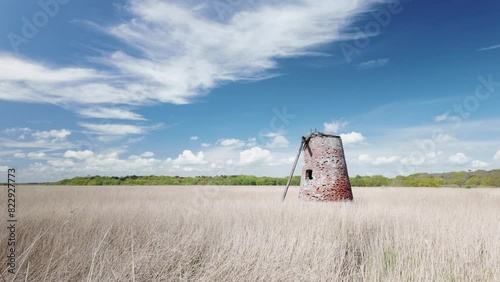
x=247, y=234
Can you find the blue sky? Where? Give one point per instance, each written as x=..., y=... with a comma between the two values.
x=229, y=87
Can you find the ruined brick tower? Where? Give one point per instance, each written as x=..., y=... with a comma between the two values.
x=324, y=173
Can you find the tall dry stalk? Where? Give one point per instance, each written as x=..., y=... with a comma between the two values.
x=247, y=234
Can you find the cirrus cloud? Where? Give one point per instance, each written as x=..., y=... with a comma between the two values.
x=36, y=155
x=194, y=56
x=114, y=129
x=108, y=113
x=373, y=64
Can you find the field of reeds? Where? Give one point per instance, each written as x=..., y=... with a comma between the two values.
x=200, y=233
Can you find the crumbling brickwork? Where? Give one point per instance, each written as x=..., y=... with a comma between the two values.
x=324, y=173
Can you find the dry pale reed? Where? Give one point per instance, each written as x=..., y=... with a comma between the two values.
x=247, y=234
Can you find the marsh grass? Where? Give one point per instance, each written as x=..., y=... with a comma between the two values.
x=246, y=234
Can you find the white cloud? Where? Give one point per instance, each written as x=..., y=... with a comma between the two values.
x=352, y=138
x=14, y=131
x=205, y=145
x=365, y=158
x=113, y=129
x=193, y=138
x=489, y=48
x=447, y=117
x=432, y=157
x=445, y=137
x=458, y=158
x=61, y=163
x=20, y=155
x=255, y=155
x=497, y=156
x=252, y=142
x=81, y=155
x=52, y=135
x=380, y=155
x=334, y=126
x=219, y=160
x=33, y=155
x=148, y=154
x=442, y=117
x=108, y=113
x=11, y=71
x=29, y=81
x=373, y=64
x=50, y=140
x=277, y=142
x=386, y=160
x=195, y=53
x=231, y=142
x=7, y=143
x=478, y=164
x=134, y=140
x=188, y=158
x=419, y=158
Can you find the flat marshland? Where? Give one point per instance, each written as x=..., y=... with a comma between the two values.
x=202, y=233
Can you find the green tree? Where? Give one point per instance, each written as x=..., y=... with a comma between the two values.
x=472, y=182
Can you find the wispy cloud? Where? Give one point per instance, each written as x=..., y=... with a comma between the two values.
x=49, y=140
x=52, y=135
x=15, y=69
x=447, y=117
x=373, y=64
x=109, y=113
x=232, y=142
x=489, y=48
x=196, y=53
x=37, y=155
x=334, y=126
x=20, y=155
x=382, y=160
x=30, y=81
x=147, y=154
x=114, y=129
x=81, y=155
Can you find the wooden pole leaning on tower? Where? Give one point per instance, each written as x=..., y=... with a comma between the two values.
x=293, y=169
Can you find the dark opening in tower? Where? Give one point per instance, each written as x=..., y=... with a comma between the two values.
x=309, y=174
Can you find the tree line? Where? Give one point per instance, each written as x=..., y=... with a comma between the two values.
x=479, y=178
x=236, y=180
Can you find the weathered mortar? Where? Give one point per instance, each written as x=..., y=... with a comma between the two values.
x=324, y=173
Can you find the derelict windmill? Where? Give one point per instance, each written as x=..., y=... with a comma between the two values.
x=324, y=172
